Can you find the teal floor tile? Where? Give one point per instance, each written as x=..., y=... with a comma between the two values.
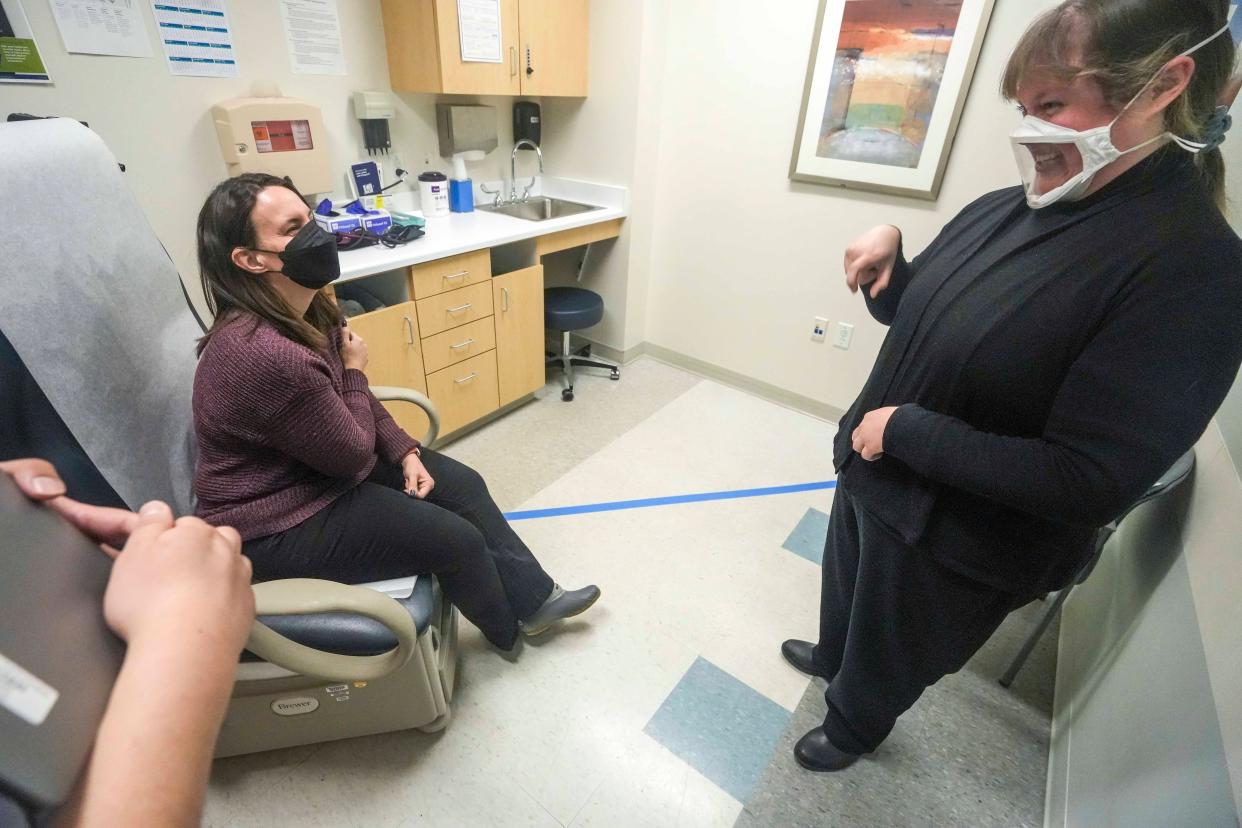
x=719, y=726
x=807, y=538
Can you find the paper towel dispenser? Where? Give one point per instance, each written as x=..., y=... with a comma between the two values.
x=466, y=127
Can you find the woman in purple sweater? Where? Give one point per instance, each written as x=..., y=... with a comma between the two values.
x=298, y=455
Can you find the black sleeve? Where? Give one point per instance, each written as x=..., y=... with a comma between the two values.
x=1139, y=395
x=883, y=308
x=12, y=815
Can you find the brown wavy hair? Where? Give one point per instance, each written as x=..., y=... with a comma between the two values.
x=1123, y=44
x=224, y=223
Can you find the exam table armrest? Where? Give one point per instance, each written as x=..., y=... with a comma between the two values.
x=298, y=596
x=389, y=393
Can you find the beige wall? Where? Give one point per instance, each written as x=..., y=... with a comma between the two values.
x=693, y=106
x=743, y=259
x=159, y=125
x=594, y=139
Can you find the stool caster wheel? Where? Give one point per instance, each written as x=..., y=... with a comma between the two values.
x=567, y=395
x=616, y=375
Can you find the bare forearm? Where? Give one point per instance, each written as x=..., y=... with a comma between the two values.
x=153, y=753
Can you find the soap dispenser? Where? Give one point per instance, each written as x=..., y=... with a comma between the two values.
x=461, y=188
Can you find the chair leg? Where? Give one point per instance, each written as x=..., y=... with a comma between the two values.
x=1033, y=638
x=594, y=363
x=567, y=361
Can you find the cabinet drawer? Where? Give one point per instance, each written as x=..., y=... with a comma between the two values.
x=451, y=347
x=433, y=278
x=454, y=309
x=464, y=392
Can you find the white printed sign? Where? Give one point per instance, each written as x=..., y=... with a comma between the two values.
x=24, y=694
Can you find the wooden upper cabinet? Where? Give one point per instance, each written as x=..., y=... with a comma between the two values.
x=555, y=35
x=543, y=49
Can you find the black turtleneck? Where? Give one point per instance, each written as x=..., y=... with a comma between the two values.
x=1049, y=366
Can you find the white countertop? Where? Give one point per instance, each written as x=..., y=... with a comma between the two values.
x=464, y=232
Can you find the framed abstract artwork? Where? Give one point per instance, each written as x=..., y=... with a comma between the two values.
x=884, y=91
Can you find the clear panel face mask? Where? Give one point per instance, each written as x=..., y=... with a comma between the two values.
x=1094, y=145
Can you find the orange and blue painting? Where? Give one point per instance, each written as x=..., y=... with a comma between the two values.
x=886, y=77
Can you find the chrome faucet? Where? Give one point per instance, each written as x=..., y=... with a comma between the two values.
x=513, y=196
x=499, y=194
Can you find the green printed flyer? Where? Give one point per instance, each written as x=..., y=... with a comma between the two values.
x=20, y=61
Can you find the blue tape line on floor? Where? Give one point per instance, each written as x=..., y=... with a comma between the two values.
x=650, y=502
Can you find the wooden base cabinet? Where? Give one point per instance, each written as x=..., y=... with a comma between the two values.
x=394, y=348
x=518, y=301
x=464, y=392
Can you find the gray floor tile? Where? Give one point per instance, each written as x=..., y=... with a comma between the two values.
x=522, y=452
x=969, y=753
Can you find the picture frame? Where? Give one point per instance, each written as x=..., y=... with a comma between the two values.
x=885, y=87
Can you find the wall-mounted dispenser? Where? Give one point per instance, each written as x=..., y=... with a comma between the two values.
x=466, y=127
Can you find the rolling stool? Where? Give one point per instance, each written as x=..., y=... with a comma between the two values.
x=568, y=309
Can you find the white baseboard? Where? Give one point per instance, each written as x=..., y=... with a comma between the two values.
x=725, y=376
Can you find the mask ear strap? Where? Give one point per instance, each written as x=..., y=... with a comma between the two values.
x=1186, y=53
x=1209, y=38
x=1188, y=145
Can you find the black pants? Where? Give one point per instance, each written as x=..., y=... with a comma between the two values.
x=376, y=531
x=892, y=622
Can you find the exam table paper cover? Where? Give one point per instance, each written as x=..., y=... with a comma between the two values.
x=92, y=303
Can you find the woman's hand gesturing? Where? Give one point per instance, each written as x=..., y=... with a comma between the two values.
x=870, y=258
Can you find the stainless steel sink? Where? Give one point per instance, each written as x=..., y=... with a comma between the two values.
x=539, y=208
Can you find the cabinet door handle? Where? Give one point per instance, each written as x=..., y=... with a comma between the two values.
x=452, y=276
x=530, y=70
x=513, y=62
x=466, y=378
x=460, y=308
x=504, y=299
x=461, y=345
x=409, y=331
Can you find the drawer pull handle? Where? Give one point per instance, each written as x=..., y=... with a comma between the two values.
x=460, y=308
x=460, y=275
x=466, y=378
x=409, y=331
x=461, y=345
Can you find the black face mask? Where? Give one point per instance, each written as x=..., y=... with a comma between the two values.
x=310, y=258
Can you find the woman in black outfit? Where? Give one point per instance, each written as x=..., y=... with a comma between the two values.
x=1049, y=355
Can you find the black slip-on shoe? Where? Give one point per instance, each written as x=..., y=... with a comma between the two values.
x=799, y=655
x=815, y=753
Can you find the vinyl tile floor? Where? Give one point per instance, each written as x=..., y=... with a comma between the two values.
x=667, y=704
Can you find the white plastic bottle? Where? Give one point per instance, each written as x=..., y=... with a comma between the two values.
x=433, y=193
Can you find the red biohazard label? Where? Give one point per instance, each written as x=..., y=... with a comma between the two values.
x=282, y=136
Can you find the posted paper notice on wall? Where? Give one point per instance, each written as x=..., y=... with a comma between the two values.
x=20, y=61
x=196, y=37
x=479, y=21
x=102, y=27
x=313, y=36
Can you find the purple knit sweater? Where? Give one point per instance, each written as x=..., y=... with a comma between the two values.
x=282, y=430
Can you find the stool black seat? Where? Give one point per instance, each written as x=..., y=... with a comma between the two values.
x=569, y=309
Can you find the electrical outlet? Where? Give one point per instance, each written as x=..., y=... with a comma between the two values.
x=819, y=329
x=844, y=336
